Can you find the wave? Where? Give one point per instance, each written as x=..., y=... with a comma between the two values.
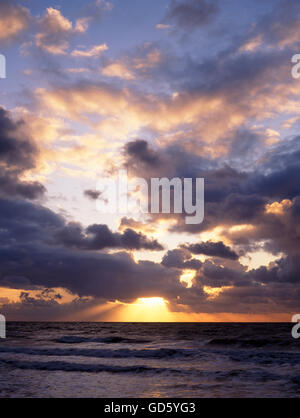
x=98, y=353
x=73, y=339
x=89, y=368
x=252, y=343
x=267, y=358
x=217, y=376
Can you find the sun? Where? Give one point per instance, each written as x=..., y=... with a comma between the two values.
x=153, y=309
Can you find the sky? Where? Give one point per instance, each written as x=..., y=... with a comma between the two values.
x=161, y=89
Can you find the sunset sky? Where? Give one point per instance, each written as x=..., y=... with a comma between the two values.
x=162, y=88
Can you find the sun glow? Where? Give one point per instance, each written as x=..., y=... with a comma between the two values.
x=214, y=292
x=188, y=277
x=154, y=302
x=279, y=208
x=153, y=309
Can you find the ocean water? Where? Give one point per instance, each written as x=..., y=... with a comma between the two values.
x=149, y=360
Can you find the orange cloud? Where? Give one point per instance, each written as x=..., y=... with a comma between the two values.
x=56, y=30
x=119, y=70
x=279, y=208
x=207, y=116
x=131, y=68
x=14, y=19
x=93, y=52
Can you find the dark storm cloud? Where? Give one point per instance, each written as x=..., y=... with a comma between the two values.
x=12, y=186
x=18, y=154
x=180, y=259
x=234, y=196
x=30, y=256
x=30, y=308
x=17, y=282
x=230, y=196
x=107, y=276
x=249, y=299
x=143, y=160
x=277, y=232
x=216, y=249
x=233, y=75
x=133, y=240
x=139, y=152
x=191, y=14
x=98, y=237
x=284, y=270
x=14, y=152
x=92, y=194
x=38, y=248
x=215, y=275
x=278, y=176
x=23, y=222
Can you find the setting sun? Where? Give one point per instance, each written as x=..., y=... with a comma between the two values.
x=153, y=309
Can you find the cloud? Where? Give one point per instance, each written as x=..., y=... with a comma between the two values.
x=215, y=249
x=14, y=19
x=280, y=28
x=82, y=24
x=209, y=100
x=139, y=152
x=93, y=52
x=191, y=14
x=136, y=64
x=97, y=8
x=29, y=250
x=92, y=194
x=135, y=225
x=205, y=114
x=18, y=154
x=56, y=30
x=162, y=26
x=30, y=257
x=254, y=207
x=119, y=70
x=46, y=309
x=98, y=237
x=180, y=259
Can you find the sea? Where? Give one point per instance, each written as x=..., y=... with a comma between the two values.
x=149, y=360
